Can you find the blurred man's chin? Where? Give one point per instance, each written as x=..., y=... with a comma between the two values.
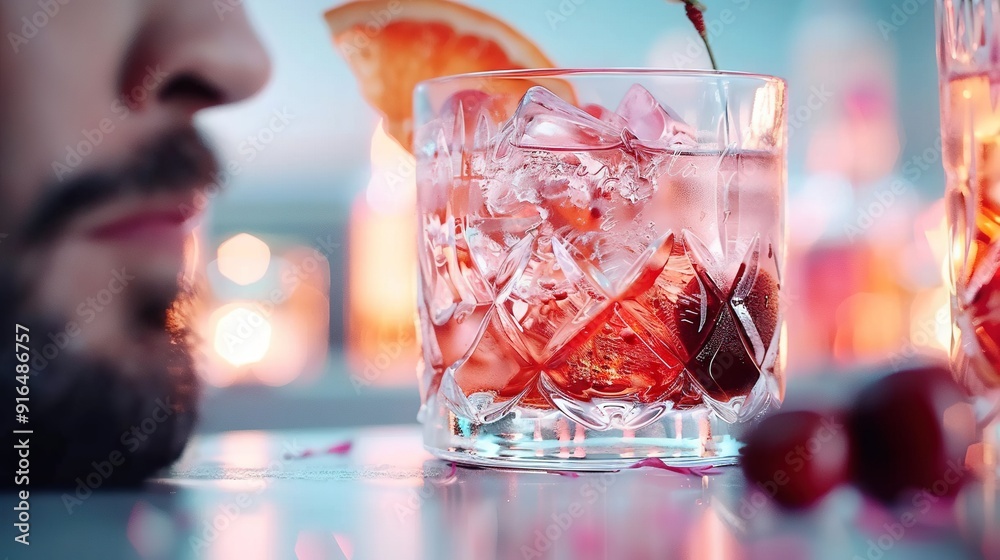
x=134, y=411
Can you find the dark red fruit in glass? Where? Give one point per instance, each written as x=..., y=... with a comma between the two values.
x=797, y=457
x=709, y=330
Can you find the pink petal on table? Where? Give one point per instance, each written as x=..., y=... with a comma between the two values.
x=658, y=463
x=341, y=448
x=452, y=475
x=570, y=474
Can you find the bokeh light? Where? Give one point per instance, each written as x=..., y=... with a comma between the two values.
x=244, y=258
x=392, y=188
x=241, y=335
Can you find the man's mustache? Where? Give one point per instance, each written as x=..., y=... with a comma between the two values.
x=177, y=162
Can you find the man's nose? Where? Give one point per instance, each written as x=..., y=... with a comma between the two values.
x=193, y=55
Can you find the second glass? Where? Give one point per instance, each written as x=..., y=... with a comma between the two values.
x=969, y=71
x=601, y=256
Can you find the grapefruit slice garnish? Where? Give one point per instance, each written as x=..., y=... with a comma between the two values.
x=391, y=45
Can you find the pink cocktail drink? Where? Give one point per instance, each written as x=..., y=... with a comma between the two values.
x=610, y=276
x=971, y=138
x=969, y=65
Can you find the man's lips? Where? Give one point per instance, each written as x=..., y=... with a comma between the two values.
x=144, y=224
x=154, y=222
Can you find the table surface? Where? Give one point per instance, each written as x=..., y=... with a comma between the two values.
x=238, y=495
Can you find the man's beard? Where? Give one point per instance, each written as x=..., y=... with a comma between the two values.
x=93, y=422
x=90, y=418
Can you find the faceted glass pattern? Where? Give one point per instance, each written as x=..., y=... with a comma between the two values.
x=598, y=270
x=969, y=62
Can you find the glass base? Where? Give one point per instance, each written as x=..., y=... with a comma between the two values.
x=530, y=438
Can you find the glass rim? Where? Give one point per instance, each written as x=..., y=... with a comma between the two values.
x=624, y=71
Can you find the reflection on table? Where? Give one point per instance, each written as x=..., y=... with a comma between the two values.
x=251, y=495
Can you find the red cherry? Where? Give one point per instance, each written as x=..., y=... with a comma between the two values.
x=717, y=356
x=797, y=457
x=909, y=432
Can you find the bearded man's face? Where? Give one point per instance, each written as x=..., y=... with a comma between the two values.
x=100, y=165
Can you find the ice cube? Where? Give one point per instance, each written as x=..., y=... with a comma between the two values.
x=607, y=115
x=544, y=121
x=566, y=182
x=511, y=193
x=482, y=142
x=652, y=123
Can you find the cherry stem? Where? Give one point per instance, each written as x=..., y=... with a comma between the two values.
x=711, y=56
x=695, y=11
